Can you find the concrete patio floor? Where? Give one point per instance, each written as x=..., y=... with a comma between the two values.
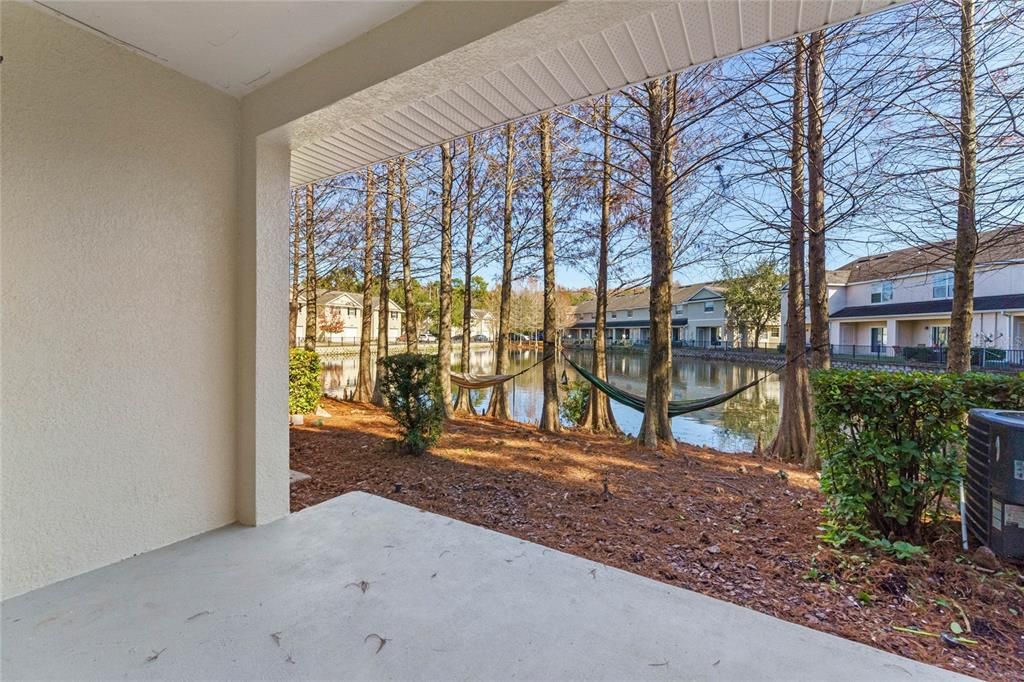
x=361, y=587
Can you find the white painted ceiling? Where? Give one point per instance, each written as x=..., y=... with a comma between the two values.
x=237, y=45
x=241, y=45
x=672, y=37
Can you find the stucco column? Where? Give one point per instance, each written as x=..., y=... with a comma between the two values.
x=891, y=329
x=262, y=333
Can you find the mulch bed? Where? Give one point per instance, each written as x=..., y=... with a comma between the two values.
x=728, y=526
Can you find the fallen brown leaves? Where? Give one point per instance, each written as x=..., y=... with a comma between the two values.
x=728, y=526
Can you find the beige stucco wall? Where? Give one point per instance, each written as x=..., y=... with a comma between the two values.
x=118, y=275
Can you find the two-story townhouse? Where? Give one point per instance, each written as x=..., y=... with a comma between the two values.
x=482, y=323
x=699, y=317
x=628, y=318
x=339, y=318
x=903, y=298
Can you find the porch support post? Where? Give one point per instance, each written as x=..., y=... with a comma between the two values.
x=892, y=329
x=262, y=333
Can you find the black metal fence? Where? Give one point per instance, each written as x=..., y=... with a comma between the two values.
x=981, y=358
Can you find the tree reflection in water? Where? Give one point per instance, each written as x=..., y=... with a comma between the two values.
x=733, y=426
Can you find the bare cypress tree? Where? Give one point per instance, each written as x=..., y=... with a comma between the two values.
x=656, y=429
x=462, y=401
x=384, y=301
x=293, y=300
x=549, y=419
x=364, y=390
x=444, y=326
x=411, y=339
x=311, y=311
x=816, y=273
x=598, y=416
x=498, y=406
x=793, y=441
x=966, y=250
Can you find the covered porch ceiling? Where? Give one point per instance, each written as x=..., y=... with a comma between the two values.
x=509, y=60
x=573, y=51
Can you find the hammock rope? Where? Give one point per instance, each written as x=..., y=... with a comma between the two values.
x=482, y=381
x=675, y=407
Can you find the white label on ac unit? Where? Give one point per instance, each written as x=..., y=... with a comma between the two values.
x=997, y=515
x=1018, y=469
x=1013, y=515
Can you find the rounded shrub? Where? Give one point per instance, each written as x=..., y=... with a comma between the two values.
x=574, y=407
x=304, y=387
x=893, y=443
x=412, y=391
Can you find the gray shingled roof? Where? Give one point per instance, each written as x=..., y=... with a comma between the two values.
x=325, y=297
x=994, y=246
x=642, y=299
x=935, y=306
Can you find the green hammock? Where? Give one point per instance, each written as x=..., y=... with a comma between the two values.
x=675, y=407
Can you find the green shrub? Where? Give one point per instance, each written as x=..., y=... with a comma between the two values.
x=304, y=387
x=574, y=407
x=892, y=444
x=412, y=391
x=919, y=354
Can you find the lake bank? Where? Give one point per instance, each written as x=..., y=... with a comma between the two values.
x=734, y=426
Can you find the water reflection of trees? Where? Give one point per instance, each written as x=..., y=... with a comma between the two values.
x=752, y=413
x=734, y=425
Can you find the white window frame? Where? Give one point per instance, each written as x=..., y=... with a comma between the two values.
x=709, y=306
x=883, y=290
x=944, y=280
x=629, y=313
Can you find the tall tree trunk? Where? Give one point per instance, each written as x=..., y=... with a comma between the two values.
x=656, y=429
x=549, y=419
x=498, y=406
x=444, y=325
x=462, y=402
x=384, y=301
x=411, y=336
x=793, y=441
x=598, y=416
x=311, y=311
x=818, y=285
x=966, y=249
x=293, y=301
x=364, y=388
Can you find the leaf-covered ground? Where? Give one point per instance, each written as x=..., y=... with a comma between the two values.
x=728, y=526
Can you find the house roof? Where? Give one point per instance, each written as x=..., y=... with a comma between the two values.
x=642, y=298
x=325, y=297
x=999, y=245
x=638, y=324
x=480, y=313
x=941, y=305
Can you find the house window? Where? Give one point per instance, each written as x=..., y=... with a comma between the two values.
x=881, y=292
x=709, y=307
x=351, y=312
x=940, y=336
x=394, y=316
x=877, y=338
x=629, y=313
x=614, y=315
x=679, y=310
x=942, y=285
x=773, y=332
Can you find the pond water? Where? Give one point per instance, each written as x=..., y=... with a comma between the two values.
x=733, y=426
